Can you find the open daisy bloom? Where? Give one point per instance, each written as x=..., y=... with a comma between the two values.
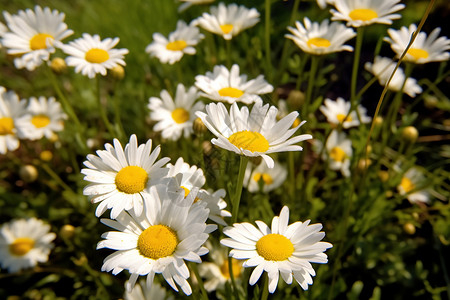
x=321, y=38
x=424, y=49
x=120, y=178
x=90, y=55
x=383, y=67
x=228, y=21
x=170, y=231
x=24, y=243
x=180, y=42
x=286, y=250
x=362, y=13
x=338, y=152
x=337, y=111
x=257, y=133
x=270, y=178
x=32, y=35
x=410, y=186
x=228, y=86
x=175, y=117
x=141, y=292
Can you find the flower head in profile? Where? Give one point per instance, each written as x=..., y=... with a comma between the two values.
x=180, y=42
x=228, y=86
x=286, y=250
x=228, y=20
x=141, y=292
x=424, y=49
x=269, y=179
x=338, y=152
x=45, y=117
x=170, y=231
x=362, y=13
x=90, y=55
x=33, y=34
x=321, y=38
x=410, y=186
x=254, y=133
x=383, y=67
x=24, y=243
x=337, y=112
x=175, y=117
x=120, y=178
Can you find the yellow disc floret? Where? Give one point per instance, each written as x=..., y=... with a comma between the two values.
x=176, y=45
x=21, y=246
x=249, y=140
x=275, y=247
x=407, y=185
x=318, y=42
x=40, y=121
x=180, y=115
x=97, y=56
x=226, y=28
x=131, y=180
x=157, y=241
x=39, y=41
x=337, y=154
x=363, y=14
x=417, y=53
x=6, y=126
x=231, y=92
x=342, y=117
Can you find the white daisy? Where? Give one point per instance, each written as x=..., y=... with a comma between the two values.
x=215, y=203
x=187, y=3
x=410, y=186
x=32, y=35
x=282, y=249
x=424, y=49
x=169, y=232
x=257, y=133
x=90, y=55
x=3, y=30
x=338, y=152
x=283, y=111
x=228, y=86
x=121, y=178
x=24, y=243
x=228, y=21
x=11, y=110
x=383, y=67
x=45, y=118
x=336, y=112
x=362, y=13
x=180, y=42
x=323, y=38
x=141, y=292
x=175, y=117
x=269, y=178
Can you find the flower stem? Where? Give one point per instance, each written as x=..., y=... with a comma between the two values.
x=356, y=57
x=200, y=281
x=238, y=191
x=103, y=110
x=267, y=40
x=265, y=288
x=309, y=90
x=228, y=54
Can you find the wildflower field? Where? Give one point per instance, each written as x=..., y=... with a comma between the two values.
x=204, y=149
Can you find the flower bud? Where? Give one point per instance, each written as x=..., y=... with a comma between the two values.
x=199, y=127
x=118, y=72
x=378, y=121
x=46, y=155
x=67, y=231
x=383, y=175
x=295, y=99
x=410, y=134
x=409, y=228
x=58, y=65
x=28, y=173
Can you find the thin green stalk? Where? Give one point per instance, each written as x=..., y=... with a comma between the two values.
x=228, y=54
x=199, y=280
x=265, y=287
x=102, y=109
x=356, y=57
x=309, y=90
x=291, y=162
x=267, y=40
x=238, y=191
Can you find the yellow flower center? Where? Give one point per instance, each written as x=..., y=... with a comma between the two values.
x=180, y=115
x=274, y=247
x=226, y=28
x=131, y=180
x=21, y=246
x=407, y=185
x=39, y=41
x=186, y=191
x=341, y=118
x=363, y=14
x=337, y=154
x=318, y=42
x=417, y=53
x=265, y=177
x=6, y=125
x=97, y=56
x=157, y=241
x=237, y=268
x=176, y=45
x=249, y=140
x=40, y=121
x=231, y=92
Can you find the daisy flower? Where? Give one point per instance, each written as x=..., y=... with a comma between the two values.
x=187, y=3
x=141, y=292
x=121, y=178
x=424, y=49
x=24, y=243
x=215, y=203
x=11, y=110
x=282, y=249
x=188, y=177
x=338, y=152
x=257, y=133
x=169, y=231
x=320, y=39
x=3, y=30
x=228, y=86
x=336, y=112
x=228, y=21
x=175, y=117
x=90, y=55
x=45, y=117
x=362, y=13
x=383, y=67
x=411, y=180
x=33, y=34
x=180, y=42
x=270, y=178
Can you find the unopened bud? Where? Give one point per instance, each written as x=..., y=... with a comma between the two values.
x=199, y=127
x=383, y=175
x=28, y=173
x=46, y=155
x=58, y=65
x=410, y=134
x=67, y=231
x=207, y=148
x=295, y=99
x=430, y=101
x=118, y=72
x=378, y=121
x=409, y=228
x=363, y=164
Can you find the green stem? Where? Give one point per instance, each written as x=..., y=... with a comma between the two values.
x=309, y=90
x=199, y=280
x=395, y=106
x=356, y=57
x=102, y=109
x=228, y=54
x=267, y=40
x=265, y=288
x=238, y=191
